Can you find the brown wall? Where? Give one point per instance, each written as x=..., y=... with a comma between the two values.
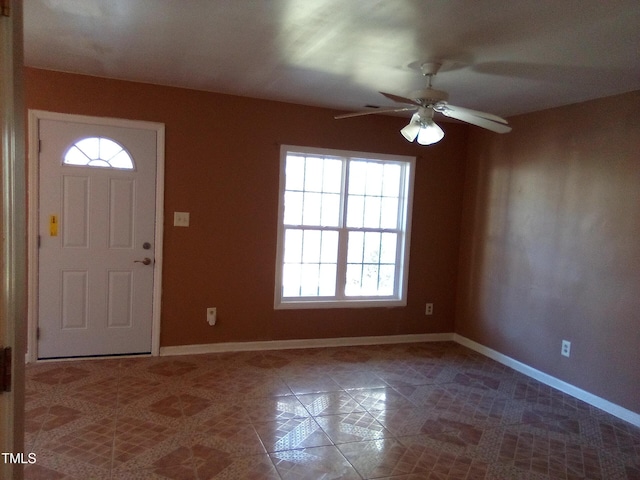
x=222, y=160
x=550, y=245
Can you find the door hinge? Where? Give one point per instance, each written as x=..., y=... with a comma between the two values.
x=5, y=369
x=5, y=6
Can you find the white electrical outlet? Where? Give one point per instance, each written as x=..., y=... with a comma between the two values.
x=180, y=219
x=211, y=315
x=566, y=348
x=429, y=309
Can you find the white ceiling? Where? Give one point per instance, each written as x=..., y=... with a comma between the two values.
x=502, y=56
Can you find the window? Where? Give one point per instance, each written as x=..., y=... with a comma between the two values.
x=98, y=152
x=343, y=229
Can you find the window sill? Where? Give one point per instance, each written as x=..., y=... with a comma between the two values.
x=320, y=304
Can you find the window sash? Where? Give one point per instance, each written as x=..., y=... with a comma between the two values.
x=340, y=294
x=342, y=263
x=98, y=152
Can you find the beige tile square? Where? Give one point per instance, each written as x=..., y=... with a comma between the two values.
x=352, y=427
x=291, y=434
x=330, y=403
x=379, y=458
x=260, y=410
x=313, y=463
x=212, y=464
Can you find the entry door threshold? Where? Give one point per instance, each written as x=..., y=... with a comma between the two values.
x=95, y=357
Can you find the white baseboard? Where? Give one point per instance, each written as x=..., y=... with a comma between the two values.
x=303, y=343
x=601, y=403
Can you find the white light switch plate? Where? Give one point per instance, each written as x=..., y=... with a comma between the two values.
x=180, y=219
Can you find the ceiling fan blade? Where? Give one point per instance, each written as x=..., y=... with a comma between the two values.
x=399, y=99
x=465, y=116
x=373, y=112
x=442, y=106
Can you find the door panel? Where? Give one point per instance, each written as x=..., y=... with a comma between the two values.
x=121, y=213
x=95, y=296
x=75, y=208
x=75, y=286
x=120, y=294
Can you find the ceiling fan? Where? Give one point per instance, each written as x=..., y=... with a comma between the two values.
x=426, y=102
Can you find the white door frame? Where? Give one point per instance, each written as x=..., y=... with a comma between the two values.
x=13, y=216
x=34, y=194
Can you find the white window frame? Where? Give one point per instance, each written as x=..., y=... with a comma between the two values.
x=98, y=157
x=340, y=300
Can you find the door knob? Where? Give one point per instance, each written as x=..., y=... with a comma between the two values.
x=146, y=261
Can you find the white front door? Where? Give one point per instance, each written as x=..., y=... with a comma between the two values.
x=96, y=233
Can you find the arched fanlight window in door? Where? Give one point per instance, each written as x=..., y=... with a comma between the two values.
x=98, y=152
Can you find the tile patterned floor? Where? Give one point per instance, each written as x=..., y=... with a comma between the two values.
x=402, y=412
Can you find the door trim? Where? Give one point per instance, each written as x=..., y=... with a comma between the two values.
x=32, y=230
x=13, y=213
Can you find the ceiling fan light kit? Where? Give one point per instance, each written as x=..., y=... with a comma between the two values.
x=427, y=101
x=423, y=128
x=430, y=133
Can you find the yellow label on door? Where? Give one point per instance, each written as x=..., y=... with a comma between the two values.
x=53, y=225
